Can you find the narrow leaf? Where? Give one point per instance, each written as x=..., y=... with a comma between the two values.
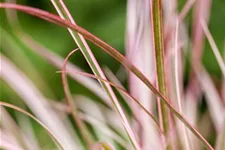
x=111, y=51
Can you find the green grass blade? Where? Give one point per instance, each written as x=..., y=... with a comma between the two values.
x=158, y=45
x=87, y=53
x=111, y=51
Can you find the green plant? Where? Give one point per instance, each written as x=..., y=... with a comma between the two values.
x=171, y=109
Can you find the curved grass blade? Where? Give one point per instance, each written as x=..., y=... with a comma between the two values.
x=111, y=51
x=34, y=118
x=122, y=90
x=82, y=128
x=38, y=103
x=69, y=96
x=11, y=127
x=87, y=53
x=57, y=61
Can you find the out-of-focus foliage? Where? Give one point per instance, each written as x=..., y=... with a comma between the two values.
x=105, y=19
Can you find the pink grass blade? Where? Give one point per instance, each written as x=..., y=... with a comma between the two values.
x=95, y=114
x=213, y=46
x=186, y=9
x=111, y=51
x=223, y=84
x=33, y=98
x=29, y=135
x=140, y=52
x=86, y=51
x=220, y=143
x=178, y=96
x=14, y=53
x=11, y=127
x=214, y=102
x=113, y=79
x=7, y=142
x=190, y=103
x=150, y=131
x=68, y=96
x=99, y=113
x=102, y=146
x=201, y=10
x=57, y=61
x=125, y=92
x=51, y=57
x=35, y=119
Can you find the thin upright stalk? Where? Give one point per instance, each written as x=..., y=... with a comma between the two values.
x=159, y=57
x=80, y=41
x=186, y=139
x=112, y=52
x=87, y=137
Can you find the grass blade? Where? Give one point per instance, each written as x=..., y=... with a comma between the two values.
x=36, y=102
x=102, y=146
x=29, y=135
x=82, y=128
x=178, y=96
x=57, y=61
x=126, y=93
x=10, y=126
x=220, y=143
x=158, y=45
x=7, y=142
x=111, y=51
x=96, y=116
x=34, y=118
x=213, y=46
x=139, y=51
x=80, y=41
x=51, y=57
x=214, y=102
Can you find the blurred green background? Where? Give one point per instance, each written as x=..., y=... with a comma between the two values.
x=105, y=19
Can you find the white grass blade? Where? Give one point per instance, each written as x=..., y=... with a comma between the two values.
x=215, y=105
x=15, y=51
x=14, y=107
x=86, y=51
x=10, y=126
x=140, y=52
x=191, y=104
x=7, y=142
x=53, y=58
x=223, y=84
x=213, y=46
x=36, y=102
x=220, y=143
x=57, y=61
x=180, y=107
x=99, y=112
x=186, y=9
x=94, y=114
x=26, y=128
